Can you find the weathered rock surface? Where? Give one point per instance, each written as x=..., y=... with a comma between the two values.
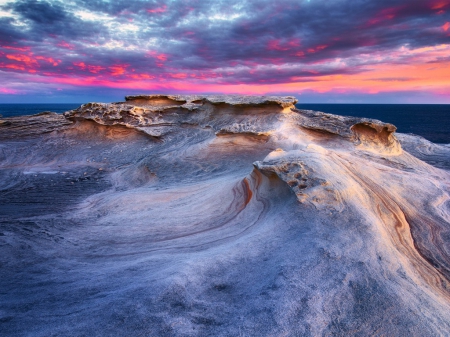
x=171, y=215
x=25, y=126
x=237, y=100
x=363, y=131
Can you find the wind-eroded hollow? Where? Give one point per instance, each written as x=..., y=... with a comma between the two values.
x=155, y=101
x=243, y=137
x=244, y=109
x=91, y=130
x=374, y=134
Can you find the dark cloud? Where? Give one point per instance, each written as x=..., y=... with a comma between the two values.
x=39, y=12
x=8, y=33
x=121, y=6
x=40, y=20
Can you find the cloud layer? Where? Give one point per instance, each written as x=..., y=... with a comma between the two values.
x=343, y=47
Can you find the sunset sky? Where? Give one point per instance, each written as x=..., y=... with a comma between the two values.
x=324, y=51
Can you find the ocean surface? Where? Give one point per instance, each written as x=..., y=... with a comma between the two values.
x=10, y=110
x=431, y=121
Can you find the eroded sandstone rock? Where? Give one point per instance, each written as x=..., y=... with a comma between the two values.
x=176, y=215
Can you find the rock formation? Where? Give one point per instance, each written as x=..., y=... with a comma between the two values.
x=170, y=215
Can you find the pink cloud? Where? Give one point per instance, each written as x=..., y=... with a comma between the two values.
x=440, y=4
x=16, y=48
x=66, y=45
x=178, y=75
x=385, y=15
x=141, y=76
x=49, y=60
x=12, y=66
x=161, y=9
x=8, y=91
x=317, y=48
x=283, y=45
x=29, y=61
x=160, y=57
x=118, y=69
x=91, y=68
x=80, y=65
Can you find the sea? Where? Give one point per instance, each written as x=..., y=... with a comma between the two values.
x=431, y=121
x=11, y=110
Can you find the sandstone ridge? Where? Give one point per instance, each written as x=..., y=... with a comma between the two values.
x=156, y=114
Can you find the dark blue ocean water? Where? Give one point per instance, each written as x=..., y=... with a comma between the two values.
x=9, y=110
x=431, y=121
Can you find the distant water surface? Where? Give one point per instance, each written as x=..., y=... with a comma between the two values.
x=431, y=121
x=10, y=110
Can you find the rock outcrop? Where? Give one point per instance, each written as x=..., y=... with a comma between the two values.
x=178, y=215
x=368, y=133
x=26, y=126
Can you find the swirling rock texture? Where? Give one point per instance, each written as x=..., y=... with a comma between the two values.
x=220, y=216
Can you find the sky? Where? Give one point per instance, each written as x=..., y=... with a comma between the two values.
x=321, y=51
